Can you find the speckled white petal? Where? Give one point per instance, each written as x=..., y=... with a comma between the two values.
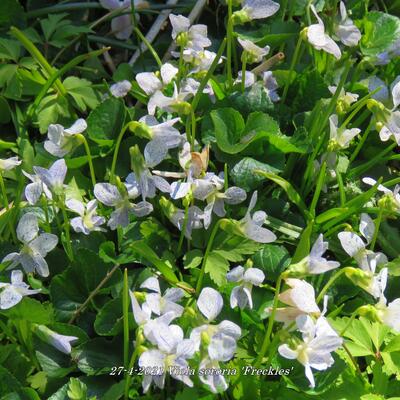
x=210, y=303
x=27, y=228
x=107, y=194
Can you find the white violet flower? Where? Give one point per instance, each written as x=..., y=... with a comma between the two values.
x=62, y=141
x=246, y=278
x=319, y=39
x=88, y=221
x=13, y=292
x=35, y=246
x=319, y=340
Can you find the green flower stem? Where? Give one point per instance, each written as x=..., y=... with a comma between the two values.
x=318, y=188
x=208, y=75
x=7, y=207
x=229, y=39
x=66, y=224
x=82, y=138
x=45, y=207
x=377, y=226
x=206, y=254
x=125, y=311
x=283, y=9
x=292, y=65
x=188, y=129
x=271, y=319
x=226, y=182
x=24, y=332
x=392, y=182
x=149, y=46
x=330, y=282
x=38, y=56
x=193, y=128
x=369, y=164
x=132, y=361
x=180, y=68
x=360, y=143
x=318, y=124
x=244, y=62
x=353, y=360
x=185, y=221
x=57, y=74
x=116, y=150
x=342, y=193
x=349, y=322
x=93, y=294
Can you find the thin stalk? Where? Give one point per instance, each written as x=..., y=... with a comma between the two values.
x=188, y=129
x=180, y=68
x=291, y=69
x=320, y=126
x=193, y=128
x=392, y=182
x=89, y=155
x=229, y=39
x=149, y=46
x=318, y=188
x=330, y=282
x=132, y=361
x=244, y=62
x=369, y=164
x=93, y=293
x=7, y=207
x=206, y=254
x=360, y=144
x=267, y=338
x=185, y=221
x=207, y=77
x=38, y=56
x=66, y=224
x=45, y=208
x=226, y=182
x=57, y=74
x=377, y=226
x=125, y=311
x=349, y=322
x=342, y=193
x=116, y=150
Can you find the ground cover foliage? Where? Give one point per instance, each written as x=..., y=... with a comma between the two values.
x=199, y=200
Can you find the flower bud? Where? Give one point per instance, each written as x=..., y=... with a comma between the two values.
x=240, y=17
x=182, y=39
x=370, y=312
x=182, y=107
x=304, y=33
x=141, y=349
x=205, y=338
x=190, y=312
x=341, y=107
x=187, y=200
x=138, y=163
x=167, y=207
x=381, y=113
x=140, y=337
x=359, y=277
x=60, y=342
x=140, y=129
x=140, y=296
x=298, y=270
